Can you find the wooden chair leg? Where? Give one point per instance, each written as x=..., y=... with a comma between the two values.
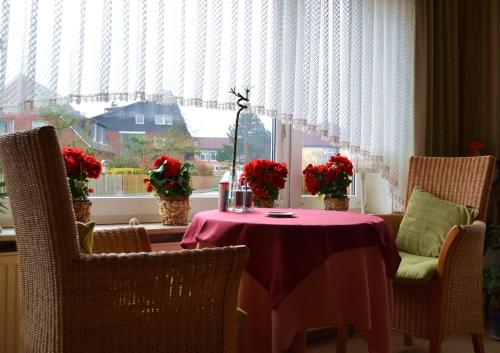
x=408, y=340
x=478, y=343
x=435, y=345
x=342, y=331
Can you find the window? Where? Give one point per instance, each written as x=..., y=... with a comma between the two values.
x=139, y=119
x=316, y=151
x=99, y=134
x=163, y=119
x=204, y=156
x=301, y=148
x=6, y=127
x=134, y=151
x=38, y=123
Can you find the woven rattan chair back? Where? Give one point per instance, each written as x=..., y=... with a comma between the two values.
x=155, y=302
x=463, y=180
x=121, y=240
x=44, y=221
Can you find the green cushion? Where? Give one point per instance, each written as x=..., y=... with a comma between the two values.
x=427, y=221
x=415, y=269
x=85, y=236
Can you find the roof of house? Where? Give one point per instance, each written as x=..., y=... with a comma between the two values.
x=16, y=91
x=210, y=143
x=123, y=118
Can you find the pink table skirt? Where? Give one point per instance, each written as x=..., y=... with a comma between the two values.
x=351, y=286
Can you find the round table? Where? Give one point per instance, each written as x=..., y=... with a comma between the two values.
x=310, y=249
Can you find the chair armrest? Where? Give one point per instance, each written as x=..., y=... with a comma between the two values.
x=462, y=249
x=458, y=285
x=121, y=240
x=392, y=221
x=166, y=297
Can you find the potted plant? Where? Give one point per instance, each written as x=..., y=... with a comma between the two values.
x=80, y=167
x=171, y=183
x=265, y=179
x=330, y=180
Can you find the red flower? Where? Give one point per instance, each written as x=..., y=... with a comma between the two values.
x=475, y=148
x=71, y=164
x=78, y=162
x=169, y=177
x=172, y=166
x=331, y=178
x=79, y=167
x=265, y=177
x=93, y=167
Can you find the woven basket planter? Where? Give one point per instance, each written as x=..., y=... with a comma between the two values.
x=264, y=203
x=336, y=204
x=174, y=210
x=82, y=210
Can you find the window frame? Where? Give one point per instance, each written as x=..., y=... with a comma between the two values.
x=138, y=115
x=36, y=123
x=7, y=124
x=160, y=119
x=99, y=131
x=294, y=142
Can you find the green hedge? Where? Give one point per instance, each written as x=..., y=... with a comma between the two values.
x=125, y=171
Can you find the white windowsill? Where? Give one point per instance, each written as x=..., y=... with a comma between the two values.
x=158, y=233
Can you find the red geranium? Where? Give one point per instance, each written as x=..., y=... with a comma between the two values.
x=331, y=179
x=172, y=166
x=265, y=177
x=475, y=148
x=169, y=178
x=80, y=167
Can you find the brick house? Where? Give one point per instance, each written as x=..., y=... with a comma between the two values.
x=83, y=133
x=145, y=119
x=208, y=147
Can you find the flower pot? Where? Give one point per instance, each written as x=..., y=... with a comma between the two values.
x=264, y=203
x=82, y=210
x=174, y=210
x=336, y=204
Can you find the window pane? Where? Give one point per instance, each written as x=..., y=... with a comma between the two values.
x=38, y=123
x=6, y=126
x=213, y=132
x=139, y=119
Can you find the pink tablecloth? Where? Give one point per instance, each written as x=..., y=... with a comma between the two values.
x=350, y=287
x=283, y=251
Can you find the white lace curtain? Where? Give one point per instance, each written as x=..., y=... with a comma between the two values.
x=341, y=68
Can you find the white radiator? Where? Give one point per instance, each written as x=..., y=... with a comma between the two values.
x=9, y=304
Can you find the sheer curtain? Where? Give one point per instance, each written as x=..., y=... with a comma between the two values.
x=342, y=68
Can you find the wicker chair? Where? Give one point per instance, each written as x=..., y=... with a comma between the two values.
x=138, y=302
x=121, y=240
x=451, y=303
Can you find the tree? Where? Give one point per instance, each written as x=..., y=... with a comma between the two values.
x=254, y=140
x=141, y=150
x=60, y=117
